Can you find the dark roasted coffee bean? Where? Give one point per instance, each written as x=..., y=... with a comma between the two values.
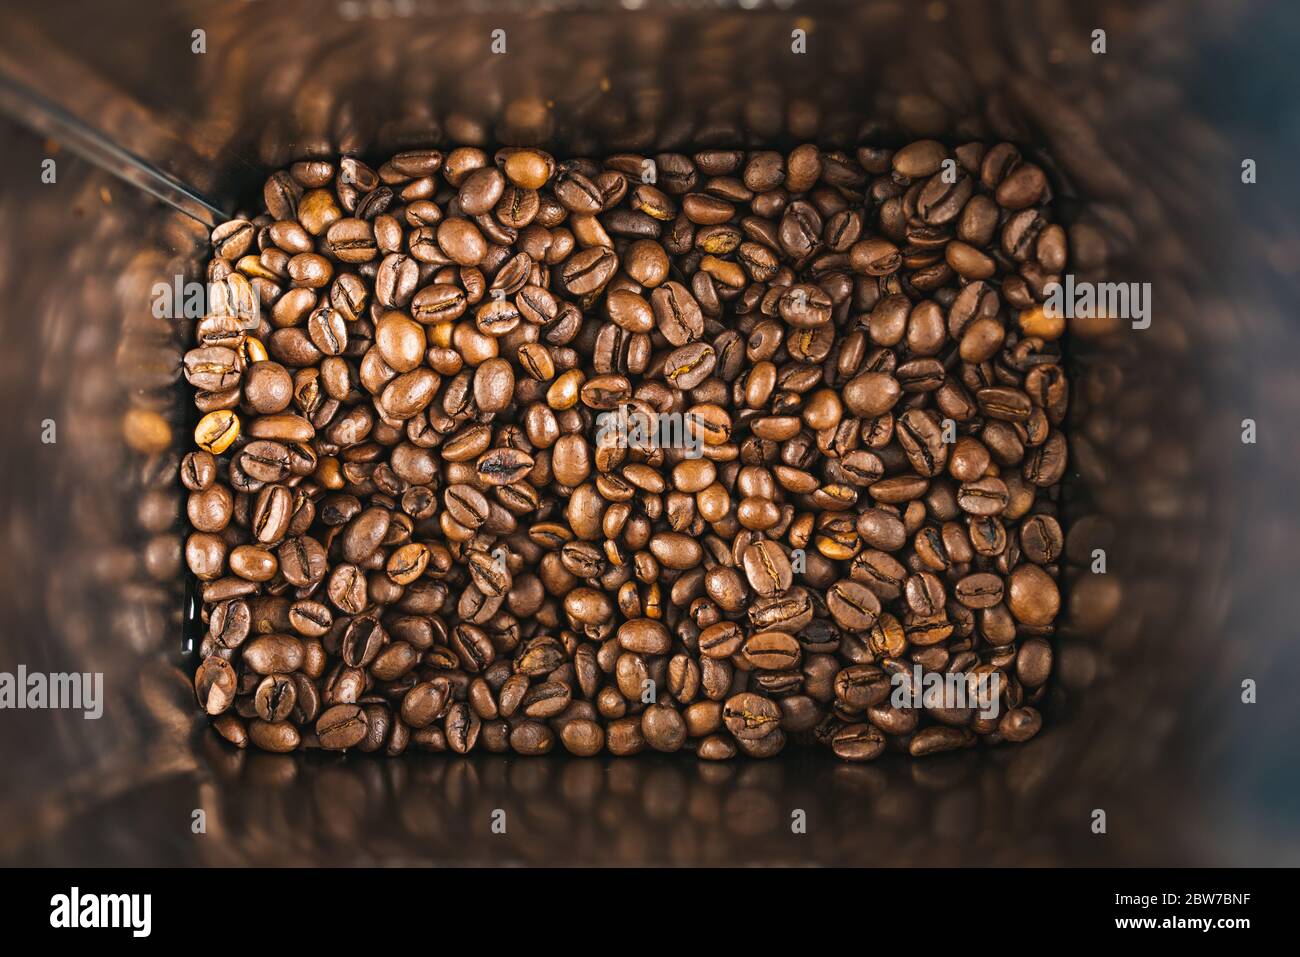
x=280, y=736
x=521, y=439
x=750, y=716
x=767, y=568
x=215, y=682
x=425, y=703
x=687, y=367
x=275, y=698
x=853, y=605
x=1041, y=539
x=771, y=651
x=858, y=742
x=462, y=727
x=342, y=726
x=1032, y=595
x=273, y=654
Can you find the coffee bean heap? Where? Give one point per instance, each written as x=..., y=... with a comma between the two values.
x=412, y=526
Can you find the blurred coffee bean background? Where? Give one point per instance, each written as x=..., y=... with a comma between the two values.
x=154, y=143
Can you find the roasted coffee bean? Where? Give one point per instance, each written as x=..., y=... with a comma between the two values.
x=987, y=496
x=311, y=619
x=503, y=466
x=750, y=716
x=771, y=651
x=275, y=698
x=362, y=639
x=687, y=367
x=858, y=742
x=303, y=561
x=939, y=738
x=351, y=241
x=425, y=702
x=920, y=433
x=663, y=728
x=462, y=727
x=1032, y=595
x=215, y=683
x=280, y=736
x=1041, y=539
x=767, y=568
x=859, y=687
x=522, y=439
x=273, y=654
x=582, y=737
x=342, y=726
x=853, y=605
x=677, y=314
x=265, y=461
x=347, y=588
x=230, y=623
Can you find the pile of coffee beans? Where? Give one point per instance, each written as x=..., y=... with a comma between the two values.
x=677, y=452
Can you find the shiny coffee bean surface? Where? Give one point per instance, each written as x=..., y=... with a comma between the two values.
x=711, y=452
